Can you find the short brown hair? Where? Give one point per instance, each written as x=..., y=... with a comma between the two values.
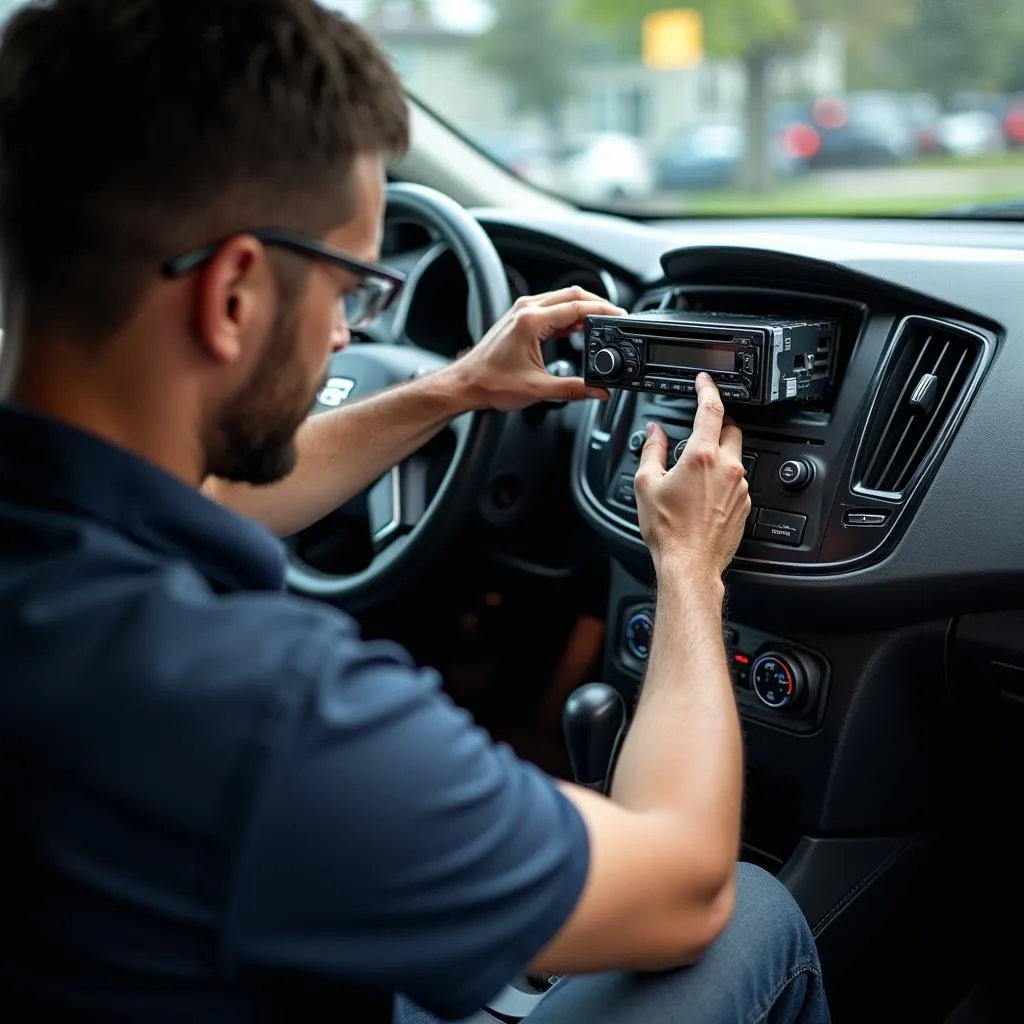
x=133, y=129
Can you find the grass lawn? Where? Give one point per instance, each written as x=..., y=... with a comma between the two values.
x=924, y=186
x=806, y=201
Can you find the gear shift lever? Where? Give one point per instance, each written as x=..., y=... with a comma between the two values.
x=594, y=722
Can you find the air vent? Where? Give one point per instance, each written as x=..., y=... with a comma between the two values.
x=661, y=298
x=926, y=380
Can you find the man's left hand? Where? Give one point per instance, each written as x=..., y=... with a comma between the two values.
x=506, y=371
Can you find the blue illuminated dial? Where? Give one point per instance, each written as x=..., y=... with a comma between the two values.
x=639, y=630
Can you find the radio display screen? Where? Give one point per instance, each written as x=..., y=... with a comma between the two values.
x=699, y=357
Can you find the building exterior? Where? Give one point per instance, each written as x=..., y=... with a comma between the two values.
x=612, y=94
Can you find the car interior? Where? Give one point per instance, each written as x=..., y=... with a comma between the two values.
x=879, y=578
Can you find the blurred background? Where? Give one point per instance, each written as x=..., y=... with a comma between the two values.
x=728, y=106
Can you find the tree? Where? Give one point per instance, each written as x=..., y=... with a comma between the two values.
x=530, y=46
x=952, y=47
x=758, y=32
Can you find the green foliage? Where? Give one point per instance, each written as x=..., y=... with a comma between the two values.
x=736, y=27
x=951, y=45
x=531, y=45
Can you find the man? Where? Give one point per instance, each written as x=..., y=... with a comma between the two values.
x=220, y=803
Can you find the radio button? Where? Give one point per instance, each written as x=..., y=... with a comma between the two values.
x=780, y=527
x=749, y=465
x=625, y=491
x=733, y=391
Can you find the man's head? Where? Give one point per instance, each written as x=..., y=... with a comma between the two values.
x=135, y=131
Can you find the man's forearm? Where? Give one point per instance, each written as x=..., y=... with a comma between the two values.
x=344, y=451
x=683, y=752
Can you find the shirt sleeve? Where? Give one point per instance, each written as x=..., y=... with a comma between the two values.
x=393, y=845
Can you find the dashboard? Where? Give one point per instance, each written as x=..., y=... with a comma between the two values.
x=874, y=620
x=904, y=517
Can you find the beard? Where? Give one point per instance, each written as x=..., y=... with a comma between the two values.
x=254, y=437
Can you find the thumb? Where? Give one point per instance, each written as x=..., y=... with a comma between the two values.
x=571, y=389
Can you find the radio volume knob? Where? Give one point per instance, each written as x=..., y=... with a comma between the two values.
x=608, y=362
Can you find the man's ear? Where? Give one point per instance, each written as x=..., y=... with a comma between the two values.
x=232, y=296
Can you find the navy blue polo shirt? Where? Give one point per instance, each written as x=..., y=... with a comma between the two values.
x=219, y=802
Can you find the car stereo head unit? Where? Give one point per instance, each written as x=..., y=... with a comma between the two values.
x=757, y=360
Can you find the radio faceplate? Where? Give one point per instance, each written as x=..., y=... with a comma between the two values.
x=753, y=360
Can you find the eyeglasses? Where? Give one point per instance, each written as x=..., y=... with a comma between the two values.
x=377, y=289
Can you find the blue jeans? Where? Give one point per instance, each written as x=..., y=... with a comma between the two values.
x=763, y=969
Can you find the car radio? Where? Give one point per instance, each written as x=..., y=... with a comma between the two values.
x=757, y=360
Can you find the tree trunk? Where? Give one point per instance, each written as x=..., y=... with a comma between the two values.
x=758, y=172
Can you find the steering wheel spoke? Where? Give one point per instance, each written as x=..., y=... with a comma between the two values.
x=397, y=502
x=410, y=519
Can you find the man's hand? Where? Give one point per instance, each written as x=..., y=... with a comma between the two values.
x=506, y=370
x=694, y=513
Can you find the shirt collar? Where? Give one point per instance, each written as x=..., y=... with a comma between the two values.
x=50, y=464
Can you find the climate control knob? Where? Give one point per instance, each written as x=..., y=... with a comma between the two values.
x=639, y=633
x=779, y=680
x=608, y=362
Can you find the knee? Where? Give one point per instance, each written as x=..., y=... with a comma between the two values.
x=766, y=914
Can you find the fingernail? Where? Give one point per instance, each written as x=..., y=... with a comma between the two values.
x=650, y=429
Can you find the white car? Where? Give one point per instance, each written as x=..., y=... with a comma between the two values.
x=604, y=167
x=970, y=133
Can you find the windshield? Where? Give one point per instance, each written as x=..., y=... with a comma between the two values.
x=747, y=107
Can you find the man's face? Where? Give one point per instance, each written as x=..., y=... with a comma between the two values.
x=256, y=429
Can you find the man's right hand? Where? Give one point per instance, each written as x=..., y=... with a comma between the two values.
x=694, y=513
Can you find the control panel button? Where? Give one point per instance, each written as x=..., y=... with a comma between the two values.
x=749, y=464
x=741, y=670
x=639, y=632
x=737, y=391
x=796, y=474
x=677, y=452
x=751, y=524
x=625, y=491
x=608, y=362
x=637, y=440
x=853, y=518
x=780, y=527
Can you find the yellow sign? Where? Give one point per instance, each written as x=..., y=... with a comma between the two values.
x=673, y=39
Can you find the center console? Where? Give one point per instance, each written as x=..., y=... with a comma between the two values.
x=837, y=450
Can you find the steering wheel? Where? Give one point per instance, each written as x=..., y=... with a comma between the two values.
x=406, y=528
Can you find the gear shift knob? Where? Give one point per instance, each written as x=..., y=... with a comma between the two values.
x=594, y=721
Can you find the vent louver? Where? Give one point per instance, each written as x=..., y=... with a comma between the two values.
x=926, y=380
